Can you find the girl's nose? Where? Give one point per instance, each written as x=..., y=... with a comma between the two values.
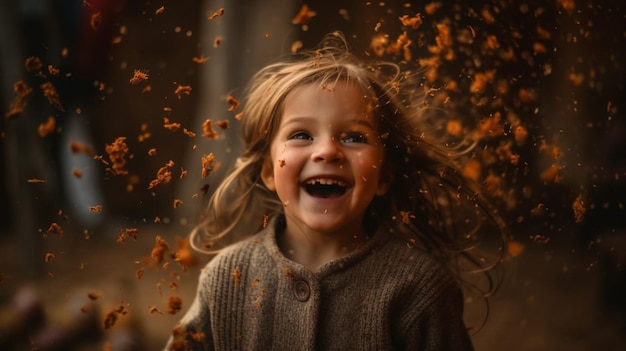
x=327, y=150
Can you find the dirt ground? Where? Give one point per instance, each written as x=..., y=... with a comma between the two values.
x=550, y=300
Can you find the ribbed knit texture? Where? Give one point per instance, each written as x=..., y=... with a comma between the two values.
x=384, y=296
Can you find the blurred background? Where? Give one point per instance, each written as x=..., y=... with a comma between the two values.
x=101, y=149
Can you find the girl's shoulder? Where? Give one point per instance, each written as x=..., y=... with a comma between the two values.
x=413, y=262
x=416, y=272
x=239, y=253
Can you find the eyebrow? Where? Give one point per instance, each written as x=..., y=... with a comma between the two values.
x=358, y=121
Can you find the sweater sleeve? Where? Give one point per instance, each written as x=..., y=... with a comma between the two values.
x=441, y=327
x=193, y=332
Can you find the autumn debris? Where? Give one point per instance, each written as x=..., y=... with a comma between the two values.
x=232, y=102
x=50, y=92
x=174, y=304
x=412, y=22
x=94, y=295
x=139, y=76
x=127, y=233
x=218, y=13
x=76, y=147
x=55, y=228
x=117, y=152
x=171, y=126
x=111, y=317
x=304, y=15
x=163, y=175
x=47, y=127
x=184, y=254
x=207, y=164
x=579, y=209
x=22, y=90
x=182, y=90
x=161, y=247
x=207, y=130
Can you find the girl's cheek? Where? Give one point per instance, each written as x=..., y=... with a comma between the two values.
x=283, y=154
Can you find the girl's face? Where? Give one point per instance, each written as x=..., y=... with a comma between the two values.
x=326, y=159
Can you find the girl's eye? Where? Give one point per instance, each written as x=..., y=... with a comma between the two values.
x=299, y=136
x=354, y=137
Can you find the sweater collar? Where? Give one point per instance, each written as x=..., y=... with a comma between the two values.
x=277, y=224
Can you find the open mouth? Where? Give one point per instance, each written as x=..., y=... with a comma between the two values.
x=325, y=188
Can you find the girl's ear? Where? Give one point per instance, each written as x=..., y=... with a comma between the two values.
x=383, y=185
x=385, y=180
x=267, y=174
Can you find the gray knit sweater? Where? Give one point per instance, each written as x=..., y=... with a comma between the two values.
x=384, y=296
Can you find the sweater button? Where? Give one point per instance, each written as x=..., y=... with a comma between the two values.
x=301, y=290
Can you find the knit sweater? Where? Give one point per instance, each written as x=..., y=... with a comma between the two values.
x=386, y=295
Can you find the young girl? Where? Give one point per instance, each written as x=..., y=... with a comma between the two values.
x=359, y=247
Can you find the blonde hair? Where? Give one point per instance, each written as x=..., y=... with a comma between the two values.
x=429, y=202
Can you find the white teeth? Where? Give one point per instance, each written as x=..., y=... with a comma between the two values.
x=327, y=181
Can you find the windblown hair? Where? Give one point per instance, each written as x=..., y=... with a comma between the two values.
x=429, y=202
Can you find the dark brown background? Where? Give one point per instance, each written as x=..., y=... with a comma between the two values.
x=567, y=294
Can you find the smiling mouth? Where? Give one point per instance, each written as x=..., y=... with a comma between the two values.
x=325, y=188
